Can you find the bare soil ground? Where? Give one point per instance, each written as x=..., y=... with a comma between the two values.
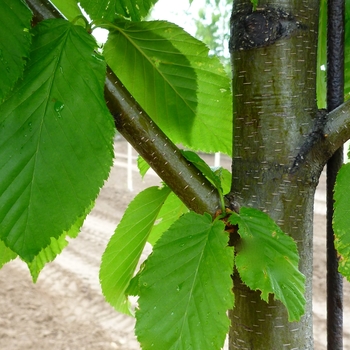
x=65, y=309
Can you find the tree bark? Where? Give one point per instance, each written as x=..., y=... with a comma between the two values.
x=273, y=55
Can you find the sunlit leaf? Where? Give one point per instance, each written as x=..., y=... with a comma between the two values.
x=186, y=288
x=171, y=210
x=341, y=219
x=267, y=260
x=56, y=138
x=15, y=41
x=186, y=92
x=225, y=178
x=6, y=254
x=69, y=8
x=142, y=165
x=124, y=249
x=254, y=3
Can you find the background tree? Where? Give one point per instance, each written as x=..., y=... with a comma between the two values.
x=56, y=150
x=213, y=28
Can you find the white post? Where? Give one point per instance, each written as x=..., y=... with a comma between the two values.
x=217, y=159
x=346, y=149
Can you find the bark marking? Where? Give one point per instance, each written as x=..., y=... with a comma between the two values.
x=262, y=27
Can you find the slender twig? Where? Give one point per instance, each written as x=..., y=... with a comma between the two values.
x=187, y=182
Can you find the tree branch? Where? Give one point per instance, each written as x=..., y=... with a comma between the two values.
x=162, y=155
x=330, y=132
x=337, y=127
x=186, y=181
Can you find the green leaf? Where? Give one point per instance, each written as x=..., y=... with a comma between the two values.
x=321, y=84
x=56, y=138
x=254, y=3
x=341, y=219
x=186, y=288
x=142, y=165
x=225, y=178
x=214, y=176
x=134, y=287
x=55, y=247
x=111, y=9
x=69, y=8
x=15, y=41
x=124, y=249
x=47, y=255
x=171, y=210
x=186, y=92
x=268, y=260
x=201, y=165
x=6, y=254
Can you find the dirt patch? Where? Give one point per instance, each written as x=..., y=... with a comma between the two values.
x=65, y=309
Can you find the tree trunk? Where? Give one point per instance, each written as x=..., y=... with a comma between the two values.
x=273, y=52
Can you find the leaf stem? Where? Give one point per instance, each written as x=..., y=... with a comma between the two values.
x=222, y=201
x=87, y=24
x=101, y=23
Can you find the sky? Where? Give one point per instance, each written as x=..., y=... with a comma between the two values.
x=175, y=12
x=172, y=11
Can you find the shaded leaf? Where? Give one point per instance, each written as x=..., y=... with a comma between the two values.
x=124, y=249
x=186, y=288
x=111, y=9
x=55, y=148
x=341, y=219
x=268, y=260
x=172, y=77
x=15, y=41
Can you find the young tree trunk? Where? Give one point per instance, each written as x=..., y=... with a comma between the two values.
x=273, y=52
